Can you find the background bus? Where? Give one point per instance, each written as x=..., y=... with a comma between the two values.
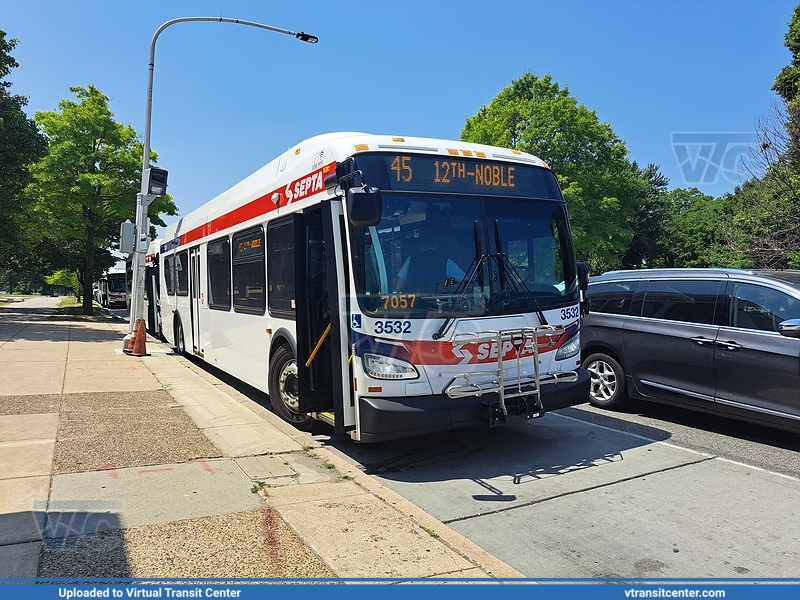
x=388, y=286
x=113, y=289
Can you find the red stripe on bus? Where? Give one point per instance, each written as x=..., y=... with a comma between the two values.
x=258, y=207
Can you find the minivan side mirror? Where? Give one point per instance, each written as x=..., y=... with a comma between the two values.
x=583, y=285
x=364, y=206
x=790, y=328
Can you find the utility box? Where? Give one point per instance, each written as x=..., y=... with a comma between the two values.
x=127, y=238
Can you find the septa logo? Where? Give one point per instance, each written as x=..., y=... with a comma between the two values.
x=306, y=186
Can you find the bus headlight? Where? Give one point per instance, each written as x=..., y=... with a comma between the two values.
x=385, y=367
x=570, y=349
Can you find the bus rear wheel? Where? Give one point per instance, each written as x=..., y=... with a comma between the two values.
x=284, y=389
x=180, y=344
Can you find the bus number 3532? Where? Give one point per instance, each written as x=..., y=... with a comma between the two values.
x=392, y=327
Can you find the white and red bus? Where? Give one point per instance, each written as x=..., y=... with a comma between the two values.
x=113, y=286
x=389, y=286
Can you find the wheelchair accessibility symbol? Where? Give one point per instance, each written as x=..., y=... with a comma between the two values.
x=355, y=322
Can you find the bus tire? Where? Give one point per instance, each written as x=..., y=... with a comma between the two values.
x=283, y=389
x=180, y=343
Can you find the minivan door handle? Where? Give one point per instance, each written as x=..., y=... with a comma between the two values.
x=701, y=341
x=730, y=346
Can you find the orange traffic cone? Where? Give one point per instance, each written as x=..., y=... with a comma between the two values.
x=128, y=348
x=138, y=344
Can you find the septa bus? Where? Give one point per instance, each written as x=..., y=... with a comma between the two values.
x=113, y=286
x=389, y=286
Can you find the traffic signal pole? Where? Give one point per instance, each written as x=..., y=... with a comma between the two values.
x=153, y=186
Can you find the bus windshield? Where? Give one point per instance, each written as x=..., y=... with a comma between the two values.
x=116, y=283
x=434, y=256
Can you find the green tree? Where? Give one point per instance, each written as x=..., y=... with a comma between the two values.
x=65, y=279
x=21, y=144
x=86, y=185
x=603, y=189
x=699, y=230
x=766, y=224
x=648, y=246
x=787, y=83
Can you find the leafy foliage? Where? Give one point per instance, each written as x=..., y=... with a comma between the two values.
x=766, y=220
x=604, y=191
x=787, y=83
x=20, y=145
x=86, y=185
x=65, y=279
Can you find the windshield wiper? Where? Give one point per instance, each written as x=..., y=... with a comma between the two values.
x=475, y=270
x=510, y=279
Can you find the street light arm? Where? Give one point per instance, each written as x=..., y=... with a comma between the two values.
x=142, y=199
x=151, y=65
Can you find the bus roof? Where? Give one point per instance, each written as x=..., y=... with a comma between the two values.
x=317, y=152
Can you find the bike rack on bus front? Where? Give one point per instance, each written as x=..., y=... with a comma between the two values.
x=500, y=381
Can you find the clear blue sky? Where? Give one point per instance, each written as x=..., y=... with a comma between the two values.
x=228, y=99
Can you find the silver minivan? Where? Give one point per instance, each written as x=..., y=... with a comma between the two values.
x=718, y=340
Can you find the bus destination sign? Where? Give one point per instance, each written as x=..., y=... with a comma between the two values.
x=446, y=172
x=432, y=173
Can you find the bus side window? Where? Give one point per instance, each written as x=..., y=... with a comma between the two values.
x=169, y=268
x=248, y=271
x=280, y=269
x=219, y=274
x=182, y=273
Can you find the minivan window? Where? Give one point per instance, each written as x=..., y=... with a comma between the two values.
x=612, y=297
x=762, y=308
x=688, y=301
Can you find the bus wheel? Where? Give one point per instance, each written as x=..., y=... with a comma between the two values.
x=180, y=345
x=283, y=389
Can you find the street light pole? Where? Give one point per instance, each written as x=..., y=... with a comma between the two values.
x=145, y=197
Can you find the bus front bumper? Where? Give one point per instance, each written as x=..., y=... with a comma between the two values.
x=384, y=419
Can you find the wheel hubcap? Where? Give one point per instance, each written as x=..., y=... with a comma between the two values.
x=287, y=383
x=603, y=381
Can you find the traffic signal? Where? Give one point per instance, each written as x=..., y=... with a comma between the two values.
x=156, y=182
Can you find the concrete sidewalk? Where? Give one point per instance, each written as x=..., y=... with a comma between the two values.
x=118, y=466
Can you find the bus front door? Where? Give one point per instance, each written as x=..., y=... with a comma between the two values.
x=194, y=298
x=322, y=371
x=153, y=305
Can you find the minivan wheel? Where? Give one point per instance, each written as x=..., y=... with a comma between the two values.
x=607, y=385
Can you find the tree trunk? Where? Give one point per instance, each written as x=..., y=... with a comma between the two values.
x=88, y=274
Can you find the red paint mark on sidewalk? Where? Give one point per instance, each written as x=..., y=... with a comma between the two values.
x=156, y=470
x=204, y=465
x=110, y=469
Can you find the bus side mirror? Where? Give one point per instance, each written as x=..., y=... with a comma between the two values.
x=364, y=206
x=583, y=285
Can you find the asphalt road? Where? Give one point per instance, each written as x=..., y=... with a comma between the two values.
x=649, y=492
x=764, y=447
